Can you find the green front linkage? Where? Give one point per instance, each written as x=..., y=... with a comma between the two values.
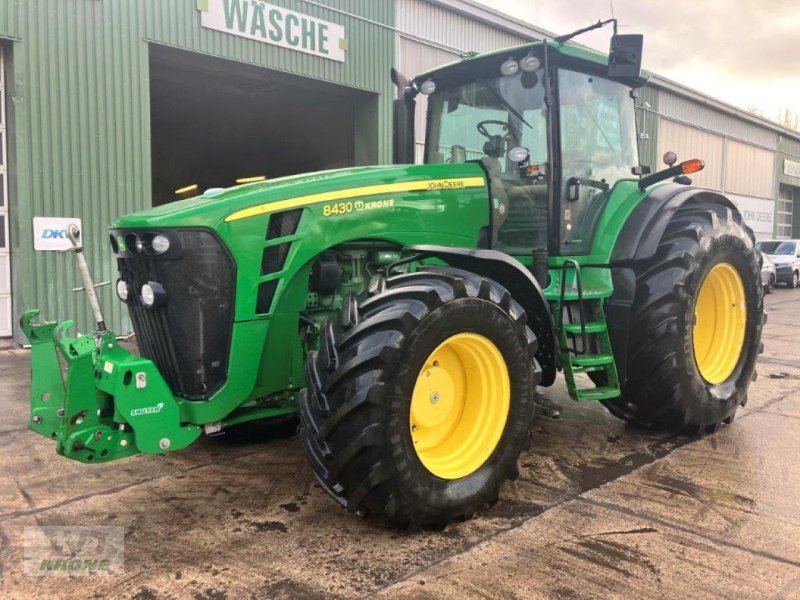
x=113, y=404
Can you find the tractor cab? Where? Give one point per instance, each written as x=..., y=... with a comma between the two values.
x=553, y=127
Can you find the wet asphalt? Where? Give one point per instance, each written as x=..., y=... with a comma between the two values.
x=600, y=510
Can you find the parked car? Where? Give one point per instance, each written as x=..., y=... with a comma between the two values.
x=769, y=276
x=786, y=256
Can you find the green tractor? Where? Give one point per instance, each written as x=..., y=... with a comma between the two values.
x=409, y=312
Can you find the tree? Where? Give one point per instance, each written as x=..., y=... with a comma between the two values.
x=752, y=108
x=789, y=118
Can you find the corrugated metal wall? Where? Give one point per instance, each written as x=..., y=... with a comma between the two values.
x=451, y=30
x=749, y=170
x=81, y=131
x=705, y=117
x=689, y=142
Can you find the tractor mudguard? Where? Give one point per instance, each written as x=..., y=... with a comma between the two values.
x=642, y=232
x=113, y=404
x=638, y=241
x=518, y=280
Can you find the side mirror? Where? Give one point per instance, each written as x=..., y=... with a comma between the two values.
x=625, y=56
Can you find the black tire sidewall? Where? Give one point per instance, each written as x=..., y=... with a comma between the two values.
x=462, y=315
x=719, y=400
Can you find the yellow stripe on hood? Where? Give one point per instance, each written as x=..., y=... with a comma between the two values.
x=360, y=192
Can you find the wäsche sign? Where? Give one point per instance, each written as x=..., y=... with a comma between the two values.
x=272, y=24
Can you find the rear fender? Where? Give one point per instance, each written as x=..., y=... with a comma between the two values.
x=638, y=241
x=519, y=281
x=639, y=237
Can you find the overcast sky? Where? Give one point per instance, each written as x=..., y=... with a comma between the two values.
x=745, y=52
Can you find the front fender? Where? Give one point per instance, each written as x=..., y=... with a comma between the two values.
x=518, y=280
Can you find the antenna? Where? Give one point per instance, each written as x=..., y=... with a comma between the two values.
x=598, y=25
x=611, y=2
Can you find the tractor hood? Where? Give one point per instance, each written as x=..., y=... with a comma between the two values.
x=218, y=205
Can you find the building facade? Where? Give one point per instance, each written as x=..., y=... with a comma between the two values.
x=112, y=106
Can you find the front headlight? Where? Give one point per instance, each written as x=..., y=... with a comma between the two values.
x=122, y=290
x=159, y=243
x=153, y=294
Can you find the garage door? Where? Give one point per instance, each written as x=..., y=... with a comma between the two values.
x=784, y=212
x=5, y=260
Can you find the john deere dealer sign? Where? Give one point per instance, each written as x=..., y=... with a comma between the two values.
x=272, y=24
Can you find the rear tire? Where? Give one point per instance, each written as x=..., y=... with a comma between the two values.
x=664, y=387
x=356, y=407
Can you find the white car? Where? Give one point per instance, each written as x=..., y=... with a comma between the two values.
x=769, y=275
x=786, y=256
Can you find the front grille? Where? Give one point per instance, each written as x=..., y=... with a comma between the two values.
x=188, y=337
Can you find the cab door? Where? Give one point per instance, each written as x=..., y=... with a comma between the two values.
x=598, y=146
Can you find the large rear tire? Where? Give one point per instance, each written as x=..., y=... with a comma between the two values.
x=695, y=328
x=419, y=400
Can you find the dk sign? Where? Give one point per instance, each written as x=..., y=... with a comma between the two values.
x=50, y=233
x=275, y=25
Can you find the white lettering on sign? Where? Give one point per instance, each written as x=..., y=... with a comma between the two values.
x=791, y=167
x=50, y=233
x=758, y=213
x=263, y=22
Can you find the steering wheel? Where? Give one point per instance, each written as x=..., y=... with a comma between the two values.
x=481, y=127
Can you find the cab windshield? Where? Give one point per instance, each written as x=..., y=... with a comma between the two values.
x=502, y=122
x=485, y=120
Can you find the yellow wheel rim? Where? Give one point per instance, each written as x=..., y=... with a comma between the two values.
x=720, y=314
x=460, y=405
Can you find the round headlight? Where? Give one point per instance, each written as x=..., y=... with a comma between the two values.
x=518, y=154
x=139, y=244
x=122, y=290
x=153, y=294
x=148, y=295
x=529, y=64
x=428, y=87
x=510, y=67
x=159, y=244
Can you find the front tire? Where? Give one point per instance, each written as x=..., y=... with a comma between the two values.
x=367, y=408
x=795, y=279
x=770, y=285
x=695, y=326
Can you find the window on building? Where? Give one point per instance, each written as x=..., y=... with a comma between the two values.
x=785, y=209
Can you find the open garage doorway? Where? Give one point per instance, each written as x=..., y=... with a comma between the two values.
x=216, y=121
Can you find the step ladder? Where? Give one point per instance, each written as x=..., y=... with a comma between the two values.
x=584, y=344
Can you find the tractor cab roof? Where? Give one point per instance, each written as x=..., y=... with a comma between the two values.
x=571, y=56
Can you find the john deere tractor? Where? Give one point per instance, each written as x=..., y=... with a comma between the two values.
x=408, y=312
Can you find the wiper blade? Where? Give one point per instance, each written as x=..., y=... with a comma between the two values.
x=505, y=103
